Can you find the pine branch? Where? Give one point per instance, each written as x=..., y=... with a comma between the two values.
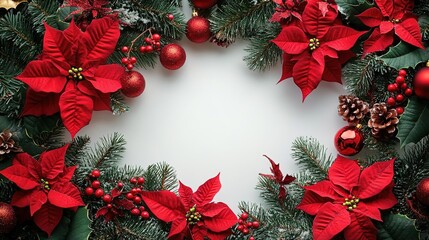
x=310, y=154
x=160, y=176
x=41, y=10
x=117, y=103
x=76, y=150
x=241, y=18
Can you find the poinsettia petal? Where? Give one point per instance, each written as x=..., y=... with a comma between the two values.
x=206, y=192
x=385, y=27
x=32, y=165
x=198, y=232
x=371, y=17
x=401, y=8
x=22, y=198
x=345, y=56
x=218, y=235
x=101, y=100
x=316, y=23
x=332, y=72
x=323, y=188
x=100, y=38
x=329, y=221
x=360, y=228
x=40, y=103
x=60, y=47
x=307, y=74
x=384, y=200
x=65, y=195
x=165, y=205
x=37, y=199
x=186, y=194
x=345, y=173
x=368, y=211
x=275, y=170
x=341, y=38
x=386, y=7
x=375, y=178
x=212, y=209
x=52, y=162
x=106, y=78
x=222, y=221
x=48, y=217
x=409, y=31
x=292, y=40
x=101, y=212
x=377, y=42
x=43, y=76
x=76, y=110
x=178, y=226
x=20, y=176
x=68, y=174
x=287, y=67
x=311, y=202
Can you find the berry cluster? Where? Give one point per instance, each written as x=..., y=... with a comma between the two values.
x=95, y=188
x=151, y=44
x=399, y=92
x=135, y=196
x=247, y=226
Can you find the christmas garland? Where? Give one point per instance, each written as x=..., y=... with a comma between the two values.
x=60, y=61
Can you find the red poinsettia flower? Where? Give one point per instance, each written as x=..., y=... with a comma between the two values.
x=44, y=186
x=350, y=199
x=71, y=77
x=288, y=10
x=392, y=17
x=192, y=214
x=115, y=208
x=88, y=10
x=316, y=50
x=277, y=176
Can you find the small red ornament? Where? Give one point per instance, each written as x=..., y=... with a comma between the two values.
x=133, y=84
x=198, y=29
x=421, y=83
x=422, y=191
x=172, y=56
x=349, y=140
x=204, y=4
x=7, y=218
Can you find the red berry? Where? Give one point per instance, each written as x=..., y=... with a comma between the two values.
x=120, y=185
x=130, y=66
x=404, y=86
x=139, y=190
x=249, y=224
x=148, y=40
x=402, y=73
x=141, y=208
x=133, y=180
x=144, y=215
x=391, y=101
x=137, y=200
x=399, y=97
x=124, y=49
x=255, y=224
x=400, y=80
x=89, y=191
x=96, y=184
x=408, y=92
x=133, y=60
x=156, y=37
x=125, y=61
x=244, y=216
x=149, y=49
x=245, y=231
x=107, y=198
x=170, y=17
x=240, y=228
x=392, y=88
x=157, y=44
x=400, y=110
x=142, y=49
x=99, y=193
x=109, y=205
x=129, y=196
x=134, y=191
x=240, y=221
x=95, y=173
x=135, y=211
x=140, y=180
x=252, y=238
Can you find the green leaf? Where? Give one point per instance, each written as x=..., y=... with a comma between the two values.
x=396, y=227
x=80, y=225
x=351, y=8
x=404, y=55
x=414, y=123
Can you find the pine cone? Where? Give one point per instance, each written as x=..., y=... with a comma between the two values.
x=383, y=121
x=352, y=109
x=7, y=144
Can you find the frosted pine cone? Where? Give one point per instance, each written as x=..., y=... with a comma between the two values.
x=352, y=109
x=7, y=144
x=383, y=121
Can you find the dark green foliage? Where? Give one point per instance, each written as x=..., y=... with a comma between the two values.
x=117, y=103
x=42, y=11
x=160, y=176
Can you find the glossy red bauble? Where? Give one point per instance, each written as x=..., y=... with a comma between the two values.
x=422, y=191
x=7, y=218
x=133, y=84
x=172, y=56
x=198, y=30
x=349, y=140
x=421, y=83
x=204, y=4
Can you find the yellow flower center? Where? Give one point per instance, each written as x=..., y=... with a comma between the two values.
x=351, y=203
x=314, y=43
x=45, y=184
x=192, y=216
x=75, y=73
x=394, y=20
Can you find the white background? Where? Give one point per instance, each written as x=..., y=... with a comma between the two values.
x=214, y=115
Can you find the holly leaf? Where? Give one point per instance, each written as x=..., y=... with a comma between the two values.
x=351, y=8
x=375, y=178
x=331, y=220
x=206, y=192
x=404, y=55
x=414, y=124
x=79, y=228
x=396, y=227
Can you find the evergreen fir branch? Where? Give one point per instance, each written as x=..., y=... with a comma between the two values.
x=358, y=75
x=11, y=63
x=151, y=229
x=262, y=52
x=76, y=150
x=117, y=103
x=256, y=213
x=241, y=18
x=41, y=10
x=10, y=95
x=160, y=176
x=310, y=154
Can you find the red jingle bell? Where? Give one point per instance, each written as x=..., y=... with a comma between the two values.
x=349, y=140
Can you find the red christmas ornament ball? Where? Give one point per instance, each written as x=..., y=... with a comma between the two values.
x=422, y=191
x=198, y=30
x=172, y=56
x=421, y=83
x=7, y=218
x=133, y=84
x=349, y=140
x=204, y=4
